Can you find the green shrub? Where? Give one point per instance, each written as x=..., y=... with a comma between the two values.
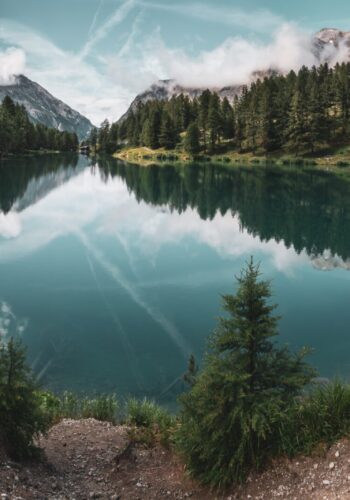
x=142, y=413
x=320, y=417
x=342, y=163
x=153, y=422
x=50, y=404
x=21, y=415
x=69, y=405
x=103, y=407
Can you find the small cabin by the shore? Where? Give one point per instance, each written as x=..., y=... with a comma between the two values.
x=85, y=150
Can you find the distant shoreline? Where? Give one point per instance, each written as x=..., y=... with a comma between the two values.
x=338, y=162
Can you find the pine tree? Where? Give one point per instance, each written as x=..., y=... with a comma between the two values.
x=93, y=138
x=103, y=134
x=191, y=142
x=204, y=101
x=167, y=136
x=214, y=120
x=21, y=418
x=228, y=128
x=232, y=414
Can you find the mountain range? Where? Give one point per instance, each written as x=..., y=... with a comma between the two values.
x=44, y=108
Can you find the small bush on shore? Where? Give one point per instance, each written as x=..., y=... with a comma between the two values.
x=320, y=417
x=150, y=421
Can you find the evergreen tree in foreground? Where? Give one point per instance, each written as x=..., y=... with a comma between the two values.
x=232, y=414
x=21, y=417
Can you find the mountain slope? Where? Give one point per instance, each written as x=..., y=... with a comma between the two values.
x=328, y=45
x=44, y=108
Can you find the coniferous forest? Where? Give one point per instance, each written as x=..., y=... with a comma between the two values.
x=18, y=133
x=299, y=113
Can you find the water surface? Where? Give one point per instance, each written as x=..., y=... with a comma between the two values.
x=112, y=273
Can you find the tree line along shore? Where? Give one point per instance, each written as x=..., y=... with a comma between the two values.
x=300, y=116
x=18, y=134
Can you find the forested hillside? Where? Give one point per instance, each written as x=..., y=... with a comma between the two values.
x=18, y=133
x=301, y=113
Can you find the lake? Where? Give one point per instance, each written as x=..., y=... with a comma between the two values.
x=111, y=273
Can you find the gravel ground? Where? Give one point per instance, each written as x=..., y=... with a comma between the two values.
x=89, y=459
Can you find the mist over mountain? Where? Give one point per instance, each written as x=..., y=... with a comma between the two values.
x=329, y=45
x=44, y=108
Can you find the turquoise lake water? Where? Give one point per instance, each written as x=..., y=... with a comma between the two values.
x=111, y=273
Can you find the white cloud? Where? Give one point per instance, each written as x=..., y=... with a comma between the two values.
x=9, y=323
x=230, y=63
x=10, y=225
x=76, y=82
x=12, y=62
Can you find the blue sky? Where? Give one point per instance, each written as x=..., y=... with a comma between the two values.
x=97, y=54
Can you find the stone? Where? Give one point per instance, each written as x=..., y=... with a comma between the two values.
x=332, y=465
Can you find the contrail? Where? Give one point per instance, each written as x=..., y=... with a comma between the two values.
x=116, y=18
x=44, y=370
x=125, y=341
x=125, y=246
x=94, y=20
x=123, y=51
x=157, y=317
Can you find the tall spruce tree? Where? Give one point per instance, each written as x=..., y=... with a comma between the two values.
x=232, y=414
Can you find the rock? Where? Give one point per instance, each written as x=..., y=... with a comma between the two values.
x=332, y=465
x=336, y=454
x=326, y=482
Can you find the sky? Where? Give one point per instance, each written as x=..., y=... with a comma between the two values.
x=96, y=55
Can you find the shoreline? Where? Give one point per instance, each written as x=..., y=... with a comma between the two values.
x=335, y=163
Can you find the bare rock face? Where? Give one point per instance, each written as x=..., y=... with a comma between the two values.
x=44, y=108
x=333, y=36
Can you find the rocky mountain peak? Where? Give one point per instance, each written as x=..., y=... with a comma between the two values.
x=43, y=107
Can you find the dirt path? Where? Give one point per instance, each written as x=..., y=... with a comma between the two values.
x=90, y=459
